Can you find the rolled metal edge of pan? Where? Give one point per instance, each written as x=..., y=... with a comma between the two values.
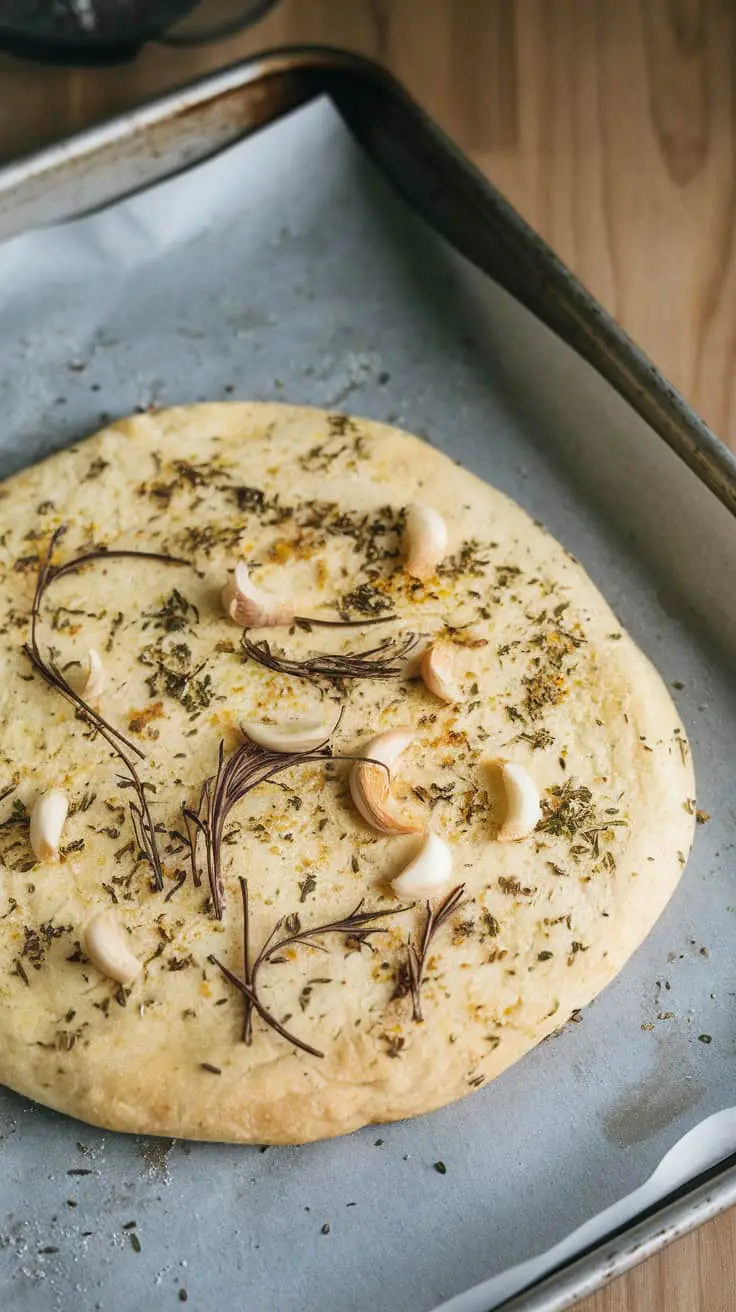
x=700, y=1201
x=158, y=139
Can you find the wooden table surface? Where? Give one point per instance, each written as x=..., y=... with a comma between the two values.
x=611, y=125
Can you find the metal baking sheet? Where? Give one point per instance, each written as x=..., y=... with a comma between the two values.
x=285, y=270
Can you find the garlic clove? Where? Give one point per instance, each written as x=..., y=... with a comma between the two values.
x=95, y=679
x=436, y=669
x=370, y=784
x=425, y=541
x=48, y=816
x=303, y=735
x=249, y=606
x=106, y=946
x=428, y=872
x=523, y=809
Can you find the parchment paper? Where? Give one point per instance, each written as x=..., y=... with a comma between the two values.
x=283, y=270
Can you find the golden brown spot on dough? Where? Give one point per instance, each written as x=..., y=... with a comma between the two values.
x=138, y=720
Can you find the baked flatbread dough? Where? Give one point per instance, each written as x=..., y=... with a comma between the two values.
x=549, y=681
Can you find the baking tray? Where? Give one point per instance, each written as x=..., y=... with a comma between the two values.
x=284, y=269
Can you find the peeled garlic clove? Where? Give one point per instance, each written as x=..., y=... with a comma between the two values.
x=428, y=872
x=425, y=541
x=291, y=735
x=107, y=949
x=436, y=669
x=95, y=678
x=370, y=785
x=523, y=810
x=48, y=815
x=249, y=605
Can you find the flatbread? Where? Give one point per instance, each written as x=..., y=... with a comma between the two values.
x=549, y=681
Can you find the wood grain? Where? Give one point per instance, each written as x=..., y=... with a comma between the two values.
x=611, y=125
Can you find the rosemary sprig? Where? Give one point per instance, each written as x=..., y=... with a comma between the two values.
x=140, y=815
x=247, y=767
x=103, y=553
x=264, y=1014
x=416, y=960
x=309, y=622
x=358, y=924
x=245, y=986
x=381, y=662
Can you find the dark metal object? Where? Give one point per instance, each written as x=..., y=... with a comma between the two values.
x=187, y=126
x=103, y=31
x=202, y=31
